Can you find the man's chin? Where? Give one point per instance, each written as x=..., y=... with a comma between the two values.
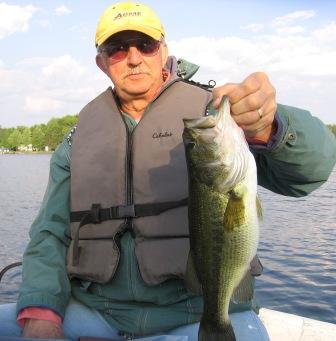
x=137, y=89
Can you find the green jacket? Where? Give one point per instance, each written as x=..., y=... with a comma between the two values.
x=299, y=162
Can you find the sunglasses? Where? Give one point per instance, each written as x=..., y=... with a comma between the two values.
x=117, y=51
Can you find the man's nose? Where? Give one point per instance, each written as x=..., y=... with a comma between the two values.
x=134, y=56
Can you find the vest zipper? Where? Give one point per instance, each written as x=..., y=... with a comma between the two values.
x=129, y=172
x=129, y=179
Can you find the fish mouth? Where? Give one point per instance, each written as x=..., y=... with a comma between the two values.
x=199, y=130
x=205, y=122
x=210, y=121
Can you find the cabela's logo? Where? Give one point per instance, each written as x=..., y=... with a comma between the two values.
x=159, y=135
x=127, y=14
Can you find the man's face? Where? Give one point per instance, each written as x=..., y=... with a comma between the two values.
x=138, y=73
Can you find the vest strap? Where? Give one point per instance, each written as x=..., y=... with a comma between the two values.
x=97, y=214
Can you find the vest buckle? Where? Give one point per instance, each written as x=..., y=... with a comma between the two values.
x=95, y=213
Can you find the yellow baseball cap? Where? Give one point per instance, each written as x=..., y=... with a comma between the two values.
x=124, y=16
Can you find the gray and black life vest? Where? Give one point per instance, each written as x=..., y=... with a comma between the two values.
x=132, y=181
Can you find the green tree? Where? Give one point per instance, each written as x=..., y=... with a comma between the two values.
x=41, y=135
x=26, y=136
x=4, y=134
x=57, y=128
x=38, y=137
x=14, y=139
x=53, y=133
x=68, y=122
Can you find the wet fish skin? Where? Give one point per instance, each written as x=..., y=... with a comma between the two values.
x=223, y=217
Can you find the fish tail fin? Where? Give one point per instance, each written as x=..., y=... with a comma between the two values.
x=224, y=334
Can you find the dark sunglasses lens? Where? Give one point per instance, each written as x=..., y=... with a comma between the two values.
x=148, y=47
x=118, y=51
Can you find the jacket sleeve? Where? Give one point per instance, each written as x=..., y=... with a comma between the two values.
x=303, y=157
x=44, y=278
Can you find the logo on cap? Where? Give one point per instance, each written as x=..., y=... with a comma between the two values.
x=127, y=14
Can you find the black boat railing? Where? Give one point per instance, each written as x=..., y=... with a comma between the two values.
x=8, y=267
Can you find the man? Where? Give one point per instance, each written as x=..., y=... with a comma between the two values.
x=126, y=269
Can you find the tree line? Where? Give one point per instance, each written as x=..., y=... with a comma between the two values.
x=51, y=134
x=39, y=136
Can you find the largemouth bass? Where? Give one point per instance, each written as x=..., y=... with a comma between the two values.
x=223, y=217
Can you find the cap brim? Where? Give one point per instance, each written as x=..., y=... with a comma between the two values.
x=152, y=32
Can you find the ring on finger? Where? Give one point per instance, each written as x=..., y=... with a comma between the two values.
x=260, y=113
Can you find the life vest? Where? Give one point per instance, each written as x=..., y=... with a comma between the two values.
x=132, y=181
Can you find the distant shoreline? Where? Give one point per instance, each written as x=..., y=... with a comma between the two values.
x=25, y=153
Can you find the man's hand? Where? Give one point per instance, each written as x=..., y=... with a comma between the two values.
x=42, y=329
x=253, y=105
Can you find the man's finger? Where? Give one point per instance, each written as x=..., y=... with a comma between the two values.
x=249, y=86
x=252, y=120
x=221, y=91
x=251, y=102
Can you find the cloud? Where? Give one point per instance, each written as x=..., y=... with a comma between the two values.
x=288, y=24
x=302, y=54
x=300, y=62
x=252, y=27
x=39, y=104
x=14, y=19
x=36, y=89
x=62, y=10
x=63, y=67
x=293, y=17
x=327, y=33
x=290, y=30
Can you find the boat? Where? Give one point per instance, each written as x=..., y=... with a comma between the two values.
x=280, y=326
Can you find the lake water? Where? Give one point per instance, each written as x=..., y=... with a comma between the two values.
x=297, y=244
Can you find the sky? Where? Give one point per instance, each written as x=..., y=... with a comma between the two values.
x=47, y=52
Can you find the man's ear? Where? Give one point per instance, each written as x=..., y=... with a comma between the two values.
x=101, y=63
x=164, y=53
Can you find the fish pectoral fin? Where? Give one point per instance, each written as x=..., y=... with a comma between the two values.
x=235, y=213
x=191, y=279
x=244, y=291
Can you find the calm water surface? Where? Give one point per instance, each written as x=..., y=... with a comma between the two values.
x=297, y=244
